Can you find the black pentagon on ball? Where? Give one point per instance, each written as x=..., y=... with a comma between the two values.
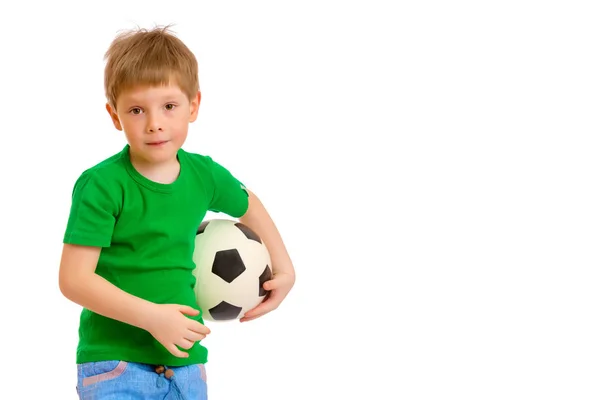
x=265, y=276
x=228, y=265
x=249, y=233
x=224, y=311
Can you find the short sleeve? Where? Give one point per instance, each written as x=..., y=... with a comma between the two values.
x=93, y=213
x=230, y=195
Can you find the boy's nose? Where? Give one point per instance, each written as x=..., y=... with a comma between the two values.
x=153, y=129
x=153, y=125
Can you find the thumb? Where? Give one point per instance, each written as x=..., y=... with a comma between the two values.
x=188, y=310
x=270, y=284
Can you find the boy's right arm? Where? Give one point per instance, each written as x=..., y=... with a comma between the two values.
x=79, y=283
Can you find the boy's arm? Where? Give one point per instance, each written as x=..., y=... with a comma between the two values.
x=284, y=276
x=79, y=283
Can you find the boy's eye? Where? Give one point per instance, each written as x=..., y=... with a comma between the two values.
x=170, y=106
x=136, y=111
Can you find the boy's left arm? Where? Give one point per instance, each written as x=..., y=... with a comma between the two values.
x=258, y=219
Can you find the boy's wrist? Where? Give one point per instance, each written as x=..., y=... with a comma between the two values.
x=143, y=316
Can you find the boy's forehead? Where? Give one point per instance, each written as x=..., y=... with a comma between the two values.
x=150, y=92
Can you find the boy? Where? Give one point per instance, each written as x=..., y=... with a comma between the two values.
x=129, y=240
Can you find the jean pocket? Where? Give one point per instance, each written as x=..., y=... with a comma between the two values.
x=101, y=371
x=202, y=368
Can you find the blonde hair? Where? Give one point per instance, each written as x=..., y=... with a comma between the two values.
x=149, y=57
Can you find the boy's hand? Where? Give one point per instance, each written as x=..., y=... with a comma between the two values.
x=172, y=328
x=280, y=286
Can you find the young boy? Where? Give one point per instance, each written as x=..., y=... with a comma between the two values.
x=129, y=240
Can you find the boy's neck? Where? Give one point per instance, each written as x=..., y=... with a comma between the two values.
x=164, y=173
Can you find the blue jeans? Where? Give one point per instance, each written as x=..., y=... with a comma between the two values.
x=120, y=380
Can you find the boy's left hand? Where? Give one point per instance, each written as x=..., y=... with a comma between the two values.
x=279, y=287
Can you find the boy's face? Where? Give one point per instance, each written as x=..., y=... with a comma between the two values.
x=155, y=120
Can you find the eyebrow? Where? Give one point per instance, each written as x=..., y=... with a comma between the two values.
x=169, y=98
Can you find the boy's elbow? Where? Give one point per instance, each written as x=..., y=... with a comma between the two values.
x=74, y=285
x=67, y=284
x=65, y=289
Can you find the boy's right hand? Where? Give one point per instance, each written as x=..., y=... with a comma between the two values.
x=172, y=328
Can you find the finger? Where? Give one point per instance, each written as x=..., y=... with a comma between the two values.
x=194, y=337
x=199, y=328
x=185, y=343
x=266, y=306
x=278, y=281
x=246, y=319
x=270, y=285
x=188, y=310
x=176, y=352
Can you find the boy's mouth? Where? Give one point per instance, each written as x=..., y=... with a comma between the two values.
x=157, y=143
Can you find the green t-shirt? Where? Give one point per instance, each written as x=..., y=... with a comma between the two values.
x=147, y=232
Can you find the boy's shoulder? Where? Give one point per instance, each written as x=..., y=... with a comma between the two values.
x=108, y=170
x=202, y=164
x=196, y=158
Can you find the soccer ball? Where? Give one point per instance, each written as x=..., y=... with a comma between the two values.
x=232, y=264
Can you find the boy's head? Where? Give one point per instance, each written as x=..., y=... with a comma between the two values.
x=149, y=58
x=152, y=91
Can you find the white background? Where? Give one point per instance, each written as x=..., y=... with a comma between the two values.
x=432, y=166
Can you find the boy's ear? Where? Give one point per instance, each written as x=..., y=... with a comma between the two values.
x=194, y=105
x=114, y=117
